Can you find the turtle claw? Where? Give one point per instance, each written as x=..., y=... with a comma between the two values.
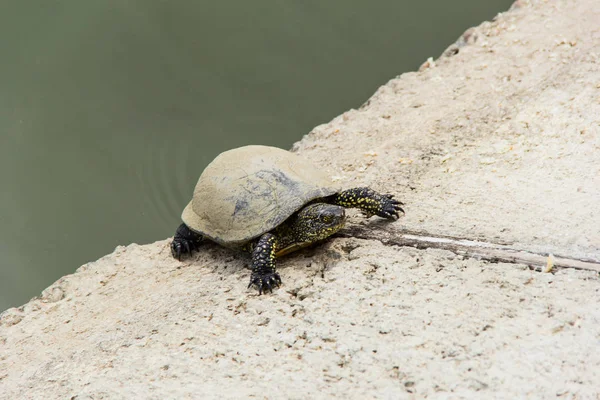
x=390, y=207
x=185, y=242
x=266, y=282
x=176, y=250
x=182, y=247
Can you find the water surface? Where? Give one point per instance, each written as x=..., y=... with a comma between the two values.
x=109, y=110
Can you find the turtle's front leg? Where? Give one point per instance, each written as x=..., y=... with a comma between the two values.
x=263, y=275
x=370, y=202
x=185, y=241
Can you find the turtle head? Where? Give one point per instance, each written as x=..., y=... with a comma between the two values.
x=318, y=221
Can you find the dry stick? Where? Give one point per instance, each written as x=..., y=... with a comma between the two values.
x=471, y=248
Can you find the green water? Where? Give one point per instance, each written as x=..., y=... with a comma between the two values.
x=109, y=110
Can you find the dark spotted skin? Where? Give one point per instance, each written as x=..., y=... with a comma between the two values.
x=369, y=202
x=311, y=224
x=264, y=276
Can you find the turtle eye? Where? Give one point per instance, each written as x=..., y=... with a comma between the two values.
x=326, y=218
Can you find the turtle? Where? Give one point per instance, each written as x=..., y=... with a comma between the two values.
x=269, y=202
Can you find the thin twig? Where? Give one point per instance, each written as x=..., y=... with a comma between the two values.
x=481, y=250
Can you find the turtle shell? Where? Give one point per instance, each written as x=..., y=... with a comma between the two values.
x=248, y=191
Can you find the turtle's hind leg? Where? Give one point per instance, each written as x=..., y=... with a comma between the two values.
x=264, y=276
x=185, y=241
x=369, y=202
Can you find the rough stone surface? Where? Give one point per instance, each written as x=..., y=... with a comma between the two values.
x=497, y=140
